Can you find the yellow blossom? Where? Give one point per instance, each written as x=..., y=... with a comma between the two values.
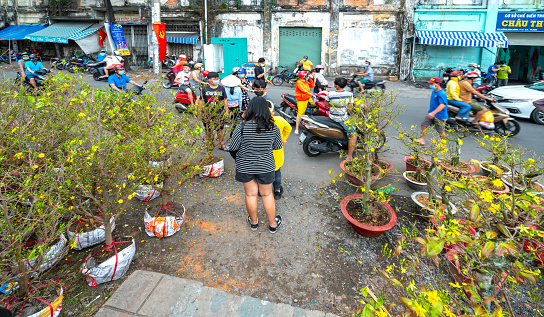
x=432, y=296
x=120, y=201
x=18, y=155
x=41, y=155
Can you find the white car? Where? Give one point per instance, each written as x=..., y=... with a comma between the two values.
x=519, y=100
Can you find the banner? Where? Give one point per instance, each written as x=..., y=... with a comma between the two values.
x=160, y=31
x=520, y=21
x=118, y=36
x=101, y=37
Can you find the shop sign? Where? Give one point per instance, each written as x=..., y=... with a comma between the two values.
x=129, y=19
x=520, y=21
x=119, y=39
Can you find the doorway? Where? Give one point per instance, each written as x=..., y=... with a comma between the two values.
x=296, y=43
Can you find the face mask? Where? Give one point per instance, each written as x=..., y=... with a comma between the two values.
x=241, y=75
x=122, y=72
x=26, y=58
x=366, y=65
x=259, y=93
x=431, y=86
x=215, y=82
x=503, y=65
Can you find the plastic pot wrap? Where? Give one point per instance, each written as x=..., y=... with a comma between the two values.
x=213, y=170
x=112, y=268
x=88, y=239
x=52, y=256
x=50, y=309
x=148, y=192
x=166, y=222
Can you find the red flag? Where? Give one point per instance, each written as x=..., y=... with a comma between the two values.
x=101, y=37
x=160, y=31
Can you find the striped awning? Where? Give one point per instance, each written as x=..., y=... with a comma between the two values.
x=78, y=36
x=18, y=32
x=182, y=38
x=472, y=39
x=60, y=32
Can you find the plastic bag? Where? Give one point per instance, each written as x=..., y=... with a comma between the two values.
x=52, y=256
x=148, y=192
x=487, y=117
x=88, y=239
x=55, y=306
x=214, y=170
x=165, y=225
x=487, y=125
x=111, y=269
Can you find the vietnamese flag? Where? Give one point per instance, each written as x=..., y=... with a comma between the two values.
x=101, y=37
x=160, y=31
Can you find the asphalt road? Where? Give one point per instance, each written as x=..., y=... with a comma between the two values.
x=414, y=101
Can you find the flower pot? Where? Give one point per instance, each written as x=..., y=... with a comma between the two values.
x=412, y=168
x=505, y=189
x=166, y=222
x=88, y=239
x=366, y=230
x=413, y=184
x=457, y=172
x=415, y=195
x=38, y=305
x=531, y=245
x=486, y=171
x=50, y=257
x=355, y=180
x=518, y=190
x=387, y=169
x=213, y=170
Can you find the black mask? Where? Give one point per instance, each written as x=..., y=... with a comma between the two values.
x=259, y=93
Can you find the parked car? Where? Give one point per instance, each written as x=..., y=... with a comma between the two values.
x=519, y=100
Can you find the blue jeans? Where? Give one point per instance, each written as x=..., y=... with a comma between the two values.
x=502, y=82
x=277, y=180
x=464, y=108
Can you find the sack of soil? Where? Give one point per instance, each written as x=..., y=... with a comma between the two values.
x=148, y=192
x=47, y=304
x=167, y=221
x=52, y=256
x=112, y=268
x=85, y=239
x=214, y=170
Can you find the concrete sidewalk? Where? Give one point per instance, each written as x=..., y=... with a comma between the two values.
x=146, y=293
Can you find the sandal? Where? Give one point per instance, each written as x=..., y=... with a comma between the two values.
x=296, y=132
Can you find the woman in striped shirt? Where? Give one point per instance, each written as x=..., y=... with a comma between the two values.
x=254, y=142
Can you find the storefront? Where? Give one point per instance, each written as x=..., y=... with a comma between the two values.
x=135, y=29
x=183, y=38
x=525, y=53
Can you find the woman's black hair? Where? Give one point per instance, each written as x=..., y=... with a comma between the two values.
x=232, y=90
x=259, y=112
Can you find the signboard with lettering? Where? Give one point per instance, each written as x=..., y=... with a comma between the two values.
x=119, y=39
x=520, y=21
x=129, y=19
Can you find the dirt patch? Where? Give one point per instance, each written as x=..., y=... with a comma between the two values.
x=377, y=215
x=461, y=167
x=424, y=200
x=413, y=178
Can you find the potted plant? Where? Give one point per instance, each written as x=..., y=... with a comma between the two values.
x=497, y=149
x=416, y=164
x=525, y=173
x=368, y=212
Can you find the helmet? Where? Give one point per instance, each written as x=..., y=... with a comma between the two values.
x=205, y=73
x=242, y=71
x=320, y=67
x=456, y=73
x=33, y=56
x=119, y=67
x=235, y=70
x=473, y=75
x=182, y=56
x=102, y=51
x=116, y=53
x=302, y=74
x=472, y=65
x=198, y=65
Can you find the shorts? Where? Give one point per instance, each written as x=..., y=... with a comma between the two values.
x=302, y=106
x=474, y=106
x=29, y=76
x=348, y=127
x=196, y=90
x=184, y=87
x=364, y=81
x=264, y=178
x=439, y=124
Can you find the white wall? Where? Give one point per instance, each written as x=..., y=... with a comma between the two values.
x=243, y=25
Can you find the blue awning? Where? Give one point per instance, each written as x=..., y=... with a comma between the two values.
x=87, y=32
x=59, y=32
x=180, y=38
x=18, y=32
x=472, y=39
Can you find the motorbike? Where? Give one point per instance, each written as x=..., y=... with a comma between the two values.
x=375, y=86
x=168, y=82
x=41, y=77
x=100, y=72
x=288, y=108
x=93, y=67
x=484, y=89
x=503, y=124
x=324, y=135
x=182, y=102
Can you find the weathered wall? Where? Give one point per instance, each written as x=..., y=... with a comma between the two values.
x=371, y=36
x=240, y=25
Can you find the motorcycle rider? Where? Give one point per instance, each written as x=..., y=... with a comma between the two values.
x=452, y=92
x=340, y=101
x=473, y=67
x=466, y=90
x=303, y=94
x=118, y=82
x=101, y=56
x=368, y=76
x=31, y=67
x=112, y=61
x=21, y=63
x=184, y=83
x=197, y=79
x=320, y=81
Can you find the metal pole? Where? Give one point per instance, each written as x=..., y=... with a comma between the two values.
x=156, y=18
x=205, y=21
x=108, y=33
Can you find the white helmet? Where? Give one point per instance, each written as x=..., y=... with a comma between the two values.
x=235, y=70
x=116, y=53
x=472, y=65
x=182, y=56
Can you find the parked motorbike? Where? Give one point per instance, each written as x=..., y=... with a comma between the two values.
x=41, y=77
x=324, y=135
x=182, y=102
x=288, y=108
x=503, y=124
x=375, y=86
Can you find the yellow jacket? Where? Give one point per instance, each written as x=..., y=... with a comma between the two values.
x=453, y=89
x=285, y=129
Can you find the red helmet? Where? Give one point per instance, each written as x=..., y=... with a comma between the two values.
x=473, y=75
x=302, y=74
x=456, y=73
x=205, y=73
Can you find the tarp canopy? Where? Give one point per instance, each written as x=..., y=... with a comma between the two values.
x=87, y=32
x=472, y=39
x=182, y=38
x=60, y=32
x=18, y=32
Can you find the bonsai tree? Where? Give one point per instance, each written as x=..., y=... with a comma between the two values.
x=498, y=149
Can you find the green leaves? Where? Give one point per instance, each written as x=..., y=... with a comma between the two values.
x=487, y=249
x=433, y=247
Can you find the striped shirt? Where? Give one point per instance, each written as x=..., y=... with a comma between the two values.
x=339, y=100
x=254, y=154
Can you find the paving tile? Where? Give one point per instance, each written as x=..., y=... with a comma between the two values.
x=134, y=290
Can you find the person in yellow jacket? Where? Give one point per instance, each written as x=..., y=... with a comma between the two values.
x=452, y=92
x=303, y=93
x=306, y=64
x=279, y=158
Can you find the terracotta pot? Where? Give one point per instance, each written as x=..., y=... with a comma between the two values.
x=366, y=230
x=486, y=171
x=389, y=166
x=518, y=190
x=412, y=168
x=505, y=189
x=355, y=180
x=413, y=184
x=459, y=173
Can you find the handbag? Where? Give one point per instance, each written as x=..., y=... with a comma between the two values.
x=233, y=153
